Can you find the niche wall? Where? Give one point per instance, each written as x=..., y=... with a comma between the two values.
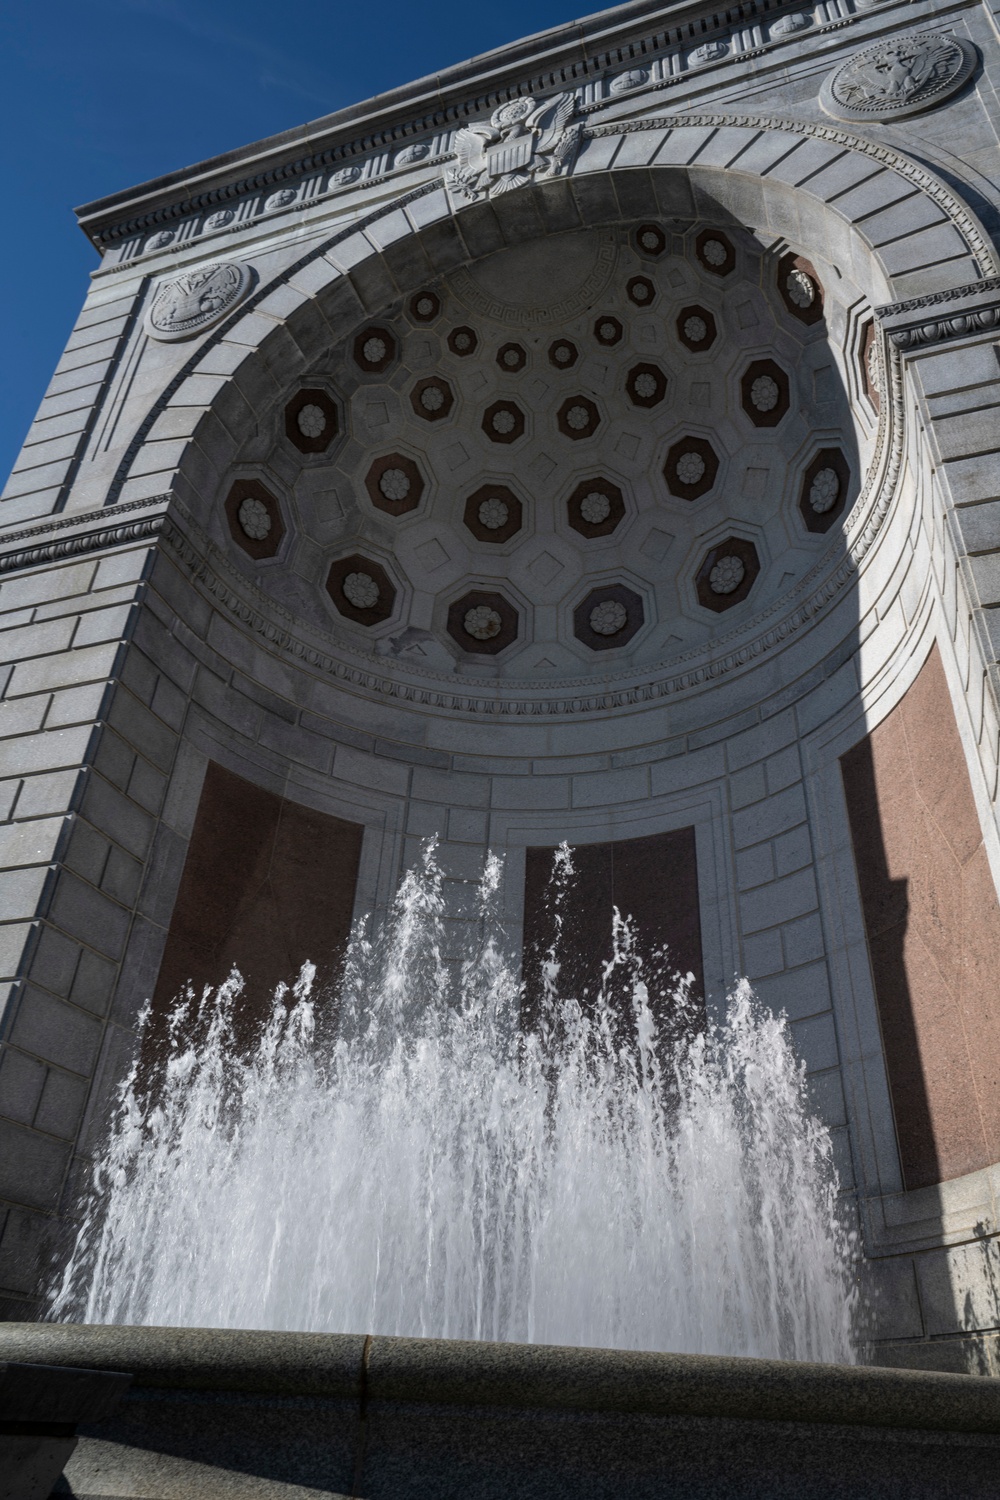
x=933, y=926
x=267, y=883
x=653, y=880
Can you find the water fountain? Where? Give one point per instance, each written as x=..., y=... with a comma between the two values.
x=601, y=1254
x=423, y=1168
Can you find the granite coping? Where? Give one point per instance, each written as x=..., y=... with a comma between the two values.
x=48, y=1394
x=447, y=1372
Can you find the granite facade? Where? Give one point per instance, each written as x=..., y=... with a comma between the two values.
x=150, y=634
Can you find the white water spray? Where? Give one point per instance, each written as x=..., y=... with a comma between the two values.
x=431, y=1171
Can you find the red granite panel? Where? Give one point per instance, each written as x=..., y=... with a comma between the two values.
x=653, y=880
x=266, y=885
x=933, y=925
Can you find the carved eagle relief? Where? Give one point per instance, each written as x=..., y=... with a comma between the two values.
x=523, y=140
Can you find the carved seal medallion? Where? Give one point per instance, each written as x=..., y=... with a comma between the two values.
x=524, y=139
x=898, y=77
x=188, y=304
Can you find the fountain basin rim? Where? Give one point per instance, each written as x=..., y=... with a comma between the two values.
x=459, y=1373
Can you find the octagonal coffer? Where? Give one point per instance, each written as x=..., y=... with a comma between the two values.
x=463, y=341
x=649, y=240
x=715, y=252
x=727, y=574
x=504, y=422
x=425, y=307
x=432, y=398
x=696, y=328
x=493, y=513
x=608, y=330
x=375, y=348
x=596, y=507
x=690, y=468
x=312, y=420
x=646, y=385
x=512, y=358
x=641, y=291
x=608, y=617
x=394, y=484
x=800, y=288
x=361, y=589
x=563, y=354
x=255, y=520
x=824, y=490
x=483, y=621
x=765, y=393
x=578, y=418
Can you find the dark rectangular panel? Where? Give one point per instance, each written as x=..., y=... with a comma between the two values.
x=653, y=880
x=933, y=927
x=267, y=884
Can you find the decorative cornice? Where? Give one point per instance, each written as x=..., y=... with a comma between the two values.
x=960, y=326
x=932, y=330
x=280, y=631
x=668, y=57
x=96, y=539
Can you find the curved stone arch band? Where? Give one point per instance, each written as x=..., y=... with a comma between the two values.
x=986, y=260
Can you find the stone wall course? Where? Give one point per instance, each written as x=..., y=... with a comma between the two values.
x=37, y=639
x=762, y=954
x=64, y=669
x=780, y=901
x=142, y=729
x=754, y=866
x=800, y=992
x=19, y=716
x=103, y=805
x=56, y=1032
x=61, y=1107
x=89, y=915
x=32, y=1170
x=607, y=788
x=54, y=960
x=534, y=792
x=52, y=792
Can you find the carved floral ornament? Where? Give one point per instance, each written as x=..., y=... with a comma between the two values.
x=899, y=77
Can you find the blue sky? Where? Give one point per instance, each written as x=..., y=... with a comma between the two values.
x=101, y=95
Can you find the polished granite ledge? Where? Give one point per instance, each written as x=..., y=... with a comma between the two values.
x=285, y=1416
x=460, y=1373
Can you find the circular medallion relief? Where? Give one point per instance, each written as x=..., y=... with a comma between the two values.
x=187, y=305
x=898, y=77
